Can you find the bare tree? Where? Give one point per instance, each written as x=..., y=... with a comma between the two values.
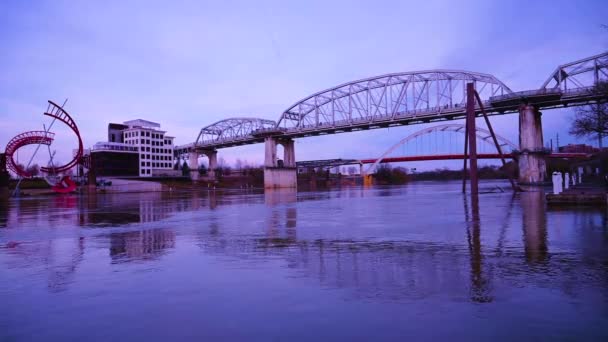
x=33, y=170
x=592, y=120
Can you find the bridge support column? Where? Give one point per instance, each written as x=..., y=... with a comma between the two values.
x=193, y=165
x=280, y=175
x=212, y=156
x=532, y=166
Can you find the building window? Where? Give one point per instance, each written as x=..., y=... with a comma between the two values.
x=147, y=163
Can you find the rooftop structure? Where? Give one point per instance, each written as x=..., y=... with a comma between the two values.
x=141, y=123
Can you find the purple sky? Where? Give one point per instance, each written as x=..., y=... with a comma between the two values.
x=186, y=64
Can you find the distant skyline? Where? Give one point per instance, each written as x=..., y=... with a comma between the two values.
x=188, y=64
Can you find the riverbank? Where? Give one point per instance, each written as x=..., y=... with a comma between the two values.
x=592, y=192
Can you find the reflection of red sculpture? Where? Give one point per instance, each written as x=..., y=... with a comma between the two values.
x=46, y=138
x=65, y=185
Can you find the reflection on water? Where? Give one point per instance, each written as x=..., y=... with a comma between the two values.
x=142, y=244
x=534, y=226
x=480, y=284
x=426, y=245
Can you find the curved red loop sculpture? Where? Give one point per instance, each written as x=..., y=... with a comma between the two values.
x=23, y=139
x=66, y=184
x=60, y=114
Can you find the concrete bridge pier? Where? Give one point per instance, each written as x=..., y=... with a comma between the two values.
x=212, y=156
x=532, y=166
x=193, y=165
x=284, y=174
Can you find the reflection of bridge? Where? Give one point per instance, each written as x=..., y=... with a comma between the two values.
x=402, y=99
x=508, y=252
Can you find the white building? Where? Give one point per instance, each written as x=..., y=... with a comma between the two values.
x=154, y=149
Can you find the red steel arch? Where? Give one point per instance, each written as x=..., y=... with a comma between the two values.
x=483, y=134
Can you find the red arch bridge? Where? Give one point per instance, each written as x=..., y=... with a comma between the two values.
x=439, y=142
x=404, y=98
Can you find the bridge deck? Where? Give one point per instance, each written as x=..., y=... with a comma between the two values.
x=504, y=104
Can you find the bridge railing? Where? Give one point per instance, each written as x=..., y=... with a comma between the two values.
x=579, y=91
x=527, y=93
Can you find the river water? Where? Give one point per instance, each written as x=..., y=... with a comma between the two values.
x=420, y=261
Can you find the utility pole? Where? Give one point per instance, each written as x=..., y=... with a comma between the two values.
x=472, y=138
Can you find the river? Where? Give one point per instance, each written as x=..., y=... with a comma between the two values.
x=419, y=261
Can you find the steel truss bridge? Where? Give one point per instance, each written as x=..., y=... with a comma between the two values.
x=403, y=99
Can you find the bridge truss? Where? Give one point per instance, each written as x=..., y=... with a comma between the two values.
x=232, y=130
x=584, y=73
x=389, y=97
x=407, y=98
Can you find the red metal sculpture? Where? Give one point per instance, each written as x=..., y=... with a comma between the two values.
x=66, y=184
x=56, y=112
x=23, y=139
